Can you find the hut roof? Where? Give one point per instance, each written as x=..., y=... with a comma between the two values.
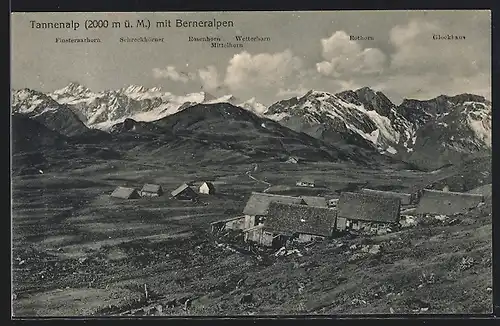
x=293, y=218
x=259, y=202
x=315, y=201
x=446, y=202
x=125, y=192
x=180, y=189
x=405, y=198
x=368, y=207
x=148, y=187
x=229, y=219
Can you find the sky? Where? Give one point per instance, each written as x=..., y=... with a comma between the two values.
x=307, y=50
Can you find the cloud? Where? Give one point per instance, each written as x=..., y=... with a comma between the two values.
x=209, y=78
x=261, y=71
x=291, y=92
x=343, y=57
x=170, y=72
x=421, y=67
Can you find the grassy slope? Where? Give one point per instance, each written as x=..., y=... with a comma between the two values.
x=79, y=247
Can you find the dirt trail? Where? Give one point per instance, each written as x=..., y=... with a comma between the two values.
x=253, y=178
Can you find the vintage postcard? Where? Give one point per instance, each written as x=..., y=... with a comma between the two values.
x=251, y=163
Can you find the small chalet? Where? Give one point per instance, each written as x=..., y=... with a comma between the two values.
x=257, y=206
x=207, y=188
x=184, y=192
x=125, y=193
x=360, y=211
x=447, y=202
x=306, y=223
x=151, y=190
x=306, y=182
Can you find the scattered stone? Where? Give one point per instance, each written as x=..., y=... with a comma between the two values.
x=424, y=309
x=187, y=304
x=353, y=247
x=441, y=217
x=280, y=252
x=294, y=251
x=301, y=288
x=408, y=221
x=382, y=231
x=375, y=249
x=356, y=301
x=466, y=263
x=391, y=310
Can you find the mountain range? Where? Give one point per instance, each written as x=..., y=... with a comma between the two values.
x=428, y=134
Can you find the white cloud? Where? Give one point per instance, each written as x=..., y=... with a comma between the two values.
x=170, y=72
x=343, y=57
x=422, y=67
x=209, y=78
x=261, y=71
x=291, y=92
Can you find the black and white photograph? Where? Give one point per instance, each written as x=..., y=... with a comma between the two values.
x=225, y=164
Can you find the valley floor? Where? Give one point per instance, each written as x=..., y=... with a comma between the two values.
x=76, y=251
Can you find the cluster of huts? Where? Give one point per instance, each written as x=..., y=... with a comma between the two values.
x=271, y=220
x=183, y=192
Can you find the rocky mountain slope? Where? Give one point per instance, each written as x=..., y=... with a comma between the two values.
x=41, y=107
x=101, y=110
x=222, y=126
x=428, y=133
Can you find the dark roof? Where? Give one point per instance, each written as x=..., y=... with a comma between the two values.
x=294, y=218
x=148, y=187
x=315, y=201
x=405, y=198
x=181, y=188
x=446, y=203
x=259, y=202
x=124, y=192
x=368, y=207
x=229, y=219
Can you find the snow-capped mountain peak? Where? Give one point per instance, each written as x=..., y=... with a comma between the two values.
x=73, y=88
x=103, y=109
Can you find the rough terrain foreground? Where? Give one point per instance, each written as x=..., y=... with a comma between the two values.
x=76, y=251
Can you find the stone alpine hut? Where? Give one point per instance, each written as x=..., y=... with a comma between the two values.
x=359, y=211
x=125, y=193
x=151, y=190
